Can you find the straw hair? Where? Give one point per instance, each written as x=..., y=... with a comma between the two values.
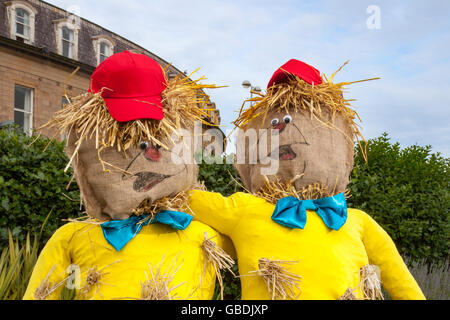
x=348, y=295
x=369, y=285
x=173, y=203
x=179, y=202
x=87, y=116
x=300, y=96
x=158, y=286
x=218, y=258
x=46, y=288
x=272, y=191
x=280, y=282
x=94, y=279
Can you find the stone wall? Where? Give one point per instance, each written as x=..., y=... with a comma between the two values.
x=47, y=80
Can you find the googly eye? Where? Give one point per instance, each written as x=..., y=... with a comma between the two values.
x=143, y=145
x=274, y=121
x=157, y=146
x=287, y=119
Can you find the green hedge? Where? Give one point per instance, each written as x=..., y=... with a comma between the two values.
x=222, y=178
x=33, y=186
x=407, y=191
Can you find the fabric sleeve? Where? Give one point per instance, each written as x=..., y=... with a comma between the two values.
x=381, y=250
x=226, y=244
x=49, y=273
x=219, y=212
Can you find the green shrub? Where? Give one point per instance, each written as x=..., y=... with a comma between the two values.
x=407, y=192
x=222, y=178
x=33, y=186
x=231, y=285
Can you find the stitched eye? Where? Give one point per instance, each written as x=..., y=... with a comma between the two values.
x=143, y=145
x=287, y=119
x=274, y=121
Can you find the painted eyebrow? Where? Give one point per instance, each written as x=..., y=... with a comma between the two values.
x=265, y=129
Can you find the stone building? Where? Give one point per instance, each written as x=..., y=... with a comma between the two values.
x=40, y=47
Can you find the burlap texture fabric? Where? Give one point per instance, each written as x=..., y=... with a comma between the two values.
x=113, y=187
x=309, y=148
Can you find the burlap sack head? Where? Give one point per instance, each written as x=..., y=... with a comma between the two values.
x=316, y=132
x=121, y=181
x=119, y=165
x=308, y=150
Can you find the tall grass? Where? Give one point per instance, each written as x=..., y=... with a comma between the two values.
x=16, y=265
x=432, y=278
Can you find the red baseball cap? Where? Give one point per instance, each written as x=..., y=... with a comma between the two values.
x=298, y=68
x=131, y=85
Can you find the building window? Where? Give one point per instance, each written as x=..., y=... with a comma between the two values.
x=23, y=108
x=68, y=42
x=66, y=31
x=22, y=24
x=103, y=46
x=21, y=18
x=105, y=51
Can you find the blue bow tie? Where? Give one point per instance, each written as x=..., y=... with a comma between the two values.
x=291, y=212
x=119, y=232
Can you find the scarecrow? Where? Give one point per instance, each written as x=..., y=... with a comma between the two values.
x=139, y=240
x=294, y=236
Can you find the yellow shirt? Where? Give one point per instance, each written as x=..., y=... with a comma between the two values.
x=82, y=247
x=328, y=261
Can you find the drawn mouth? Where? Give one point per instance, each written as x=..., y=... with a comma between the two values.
x=285, y=152
x=147, y=180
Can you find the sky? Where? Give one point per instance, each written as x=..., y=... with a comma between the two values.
x=405, y=43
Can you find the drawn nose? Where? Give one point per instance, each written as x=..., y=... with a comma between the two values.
x=279, y=127
x=152, y=154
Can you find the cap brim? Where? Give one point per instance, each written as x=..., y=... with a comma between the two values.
x=280, y=76
x=128, y=109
